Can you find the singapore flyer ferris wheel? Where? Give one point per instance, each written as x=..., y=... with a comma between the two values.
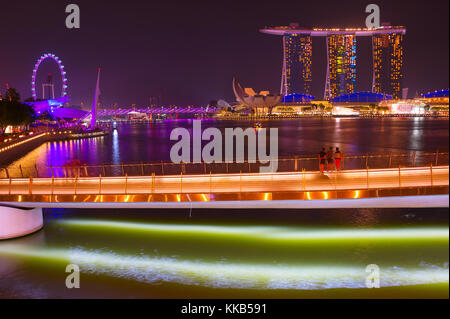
x=61, y=68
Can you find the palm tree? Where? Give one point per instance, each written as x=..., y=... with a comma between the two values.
x=321, y=108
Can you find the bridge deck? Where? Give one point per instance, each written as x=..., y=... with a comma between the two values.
x=231, y=183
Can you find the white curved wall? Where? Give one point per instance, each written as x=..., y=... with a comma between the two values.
x=16, y=222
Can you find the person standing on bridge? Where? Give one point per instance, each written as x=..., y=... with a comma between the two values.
x=322, y=159
x=338, y=156
x=330, y=159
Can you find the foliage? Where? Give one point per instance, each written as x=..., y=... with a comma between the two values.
x=372, y=107
x=439, y=108
x=12, y=95
x=285, y=108
x=13, y=112
x=212, y=103
x=382, y=108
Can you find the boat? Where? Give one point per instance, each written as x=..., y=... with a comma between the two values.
x=257, y=125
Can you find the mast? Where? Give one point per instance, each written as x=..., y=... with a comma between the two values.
x=94, y=106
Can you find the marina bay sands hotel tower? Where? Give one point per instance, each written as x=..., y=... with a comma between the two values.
x=341, y=59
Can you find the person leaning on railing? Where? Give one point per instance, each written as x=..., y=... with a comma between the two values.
x=330, y=160
x=322, y=159
x=338, y=156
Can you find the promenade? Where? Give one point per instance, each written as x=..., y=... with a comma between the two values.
x=402, y=187
x=230, y=183
x=369, y=180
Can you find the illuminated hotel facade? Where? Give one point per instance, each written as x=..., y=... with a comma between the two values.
x=341, y=70
x=387, y=64
x=387, y=46
x=297, y=73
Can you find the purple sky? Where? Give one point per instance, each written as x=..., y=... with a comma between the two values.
x=188, y=51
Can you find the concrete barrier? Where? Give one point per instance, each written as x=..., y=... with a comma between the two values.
x=18, y=222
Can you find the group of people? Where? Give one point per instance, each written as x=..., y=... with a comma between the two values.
x=72, y=168
x=331, y=159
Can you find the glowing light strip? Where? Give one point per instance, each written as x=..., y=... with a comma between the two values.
x=271, y=232
x=250, y=276
x=22, y=142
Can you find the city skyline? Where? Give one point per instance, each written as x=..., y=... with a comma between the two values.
x=341, y=47
x=197, y=151
x=233, y=49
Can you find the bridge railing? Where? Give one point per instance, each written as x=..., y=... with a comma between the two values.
x=290, y=164
x=407, y=181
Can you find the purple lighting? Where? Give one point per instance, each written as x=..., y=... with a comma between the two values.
x=61, y=68
x=159, y=110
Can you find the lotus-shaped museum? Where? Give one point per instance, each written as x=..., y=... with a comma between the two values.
x=260, y=103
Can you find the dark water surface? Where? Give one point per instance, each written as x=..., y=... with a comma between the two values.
x=214, y=253
x=151, y=142
x=236, y=254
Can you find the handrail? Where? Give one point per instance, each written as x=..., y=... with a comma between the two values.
x=406, y=178
x=284, y=164
x=309, y=157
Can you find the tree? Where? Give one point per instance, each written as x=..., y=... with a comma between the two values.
x=382, y=109
x=373, y=107
x=12, y=95
x=321, y=108
x=13, y=112
x=212, y=103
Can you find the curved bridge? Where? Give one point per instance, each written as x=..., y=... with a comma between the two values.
x=422, y=186
x=158, y=110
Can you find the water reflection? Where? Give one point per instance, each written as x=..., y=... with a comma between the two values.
x=226, y=256
x=151, y=142
x=169, y=254
x=115, y=148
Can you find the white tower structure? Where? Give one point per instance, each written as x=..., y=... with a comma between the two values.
x=94, y=105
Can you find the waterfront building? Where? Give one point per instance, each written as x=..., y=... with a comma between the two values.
x=259, y=103
x=297, y=98
x=388, y=57
x=388, y=64
x=437, y=100
x=405, y=107
x=361, y=98
x=297, y=62
x=341, y=70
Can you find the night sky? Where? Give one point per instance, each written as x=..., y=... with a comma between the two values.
x=188, y=51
